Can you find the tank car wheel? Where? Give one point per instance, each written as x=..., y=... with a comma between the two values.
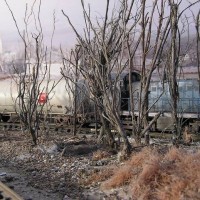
x=5, y=118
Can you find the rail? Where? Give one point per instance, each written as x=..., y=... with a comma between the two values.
x=7, y=193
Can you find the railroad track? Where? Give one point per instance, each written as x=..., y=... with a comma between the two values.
x=8, y=194
x=6, y=126
x=57, y=127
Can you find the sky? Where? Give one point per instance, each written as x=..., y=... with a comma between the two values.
x=63, y=33
x=71, y=7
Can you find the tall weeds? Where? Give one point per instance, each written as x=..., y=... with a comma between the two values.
x=153, y=175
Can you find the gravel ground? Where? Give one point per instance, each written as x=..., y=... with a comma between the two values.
x=57, y=168
x=63, y=167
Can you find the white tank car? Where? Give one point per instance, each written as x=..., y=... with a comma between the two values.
x=8, y=95
x=56, y=97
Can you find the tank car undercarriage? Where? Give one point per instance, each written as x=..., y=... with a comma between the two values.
x=51, y=122
x=61, y=122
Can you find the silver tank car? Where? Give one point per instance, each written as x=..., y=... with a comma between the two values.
x=59, y=97
x=8, y=95
x=56, y=97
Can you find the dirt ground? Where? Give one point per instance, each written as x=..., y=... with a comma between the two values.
x=54, y=169
x=61, y=166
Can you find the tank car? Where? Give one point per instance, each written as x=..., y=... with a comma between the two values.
x=8, y=95
x=56, y=98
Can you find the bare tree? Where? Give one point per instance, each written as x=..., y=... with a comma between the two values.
x=149, y=42
x=197, y=25
x=29, y=108
x=153, y=43
x=178, y=28
x=104, y=44
x=102, y=49
x=77, y=87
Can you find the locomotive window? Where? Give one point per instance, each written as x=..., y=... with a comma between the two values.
x=134, y=77
x=153, y=89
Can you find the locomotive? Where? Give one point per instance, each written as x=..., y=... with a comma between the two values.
x=159, y=100
x=58, y=98
x=188, y=105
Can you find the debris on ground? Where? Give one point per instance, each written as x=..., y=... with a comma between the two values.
x=67, y=167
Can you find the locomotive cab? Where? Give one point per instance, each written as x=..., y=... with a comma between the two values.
x=125, y=90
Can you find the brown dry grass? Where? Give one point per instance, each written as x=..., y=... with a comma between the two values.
x=132, y=167
x=187, y=136
x=99, y=154
x=99, y=176
x=152, y=175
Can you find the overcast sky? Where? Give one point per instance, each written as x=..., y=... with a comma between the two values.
x=71, y=7
x=63, y=33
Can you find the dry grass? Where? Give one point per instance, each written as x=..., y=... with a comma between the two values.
x=187, y=136
x=99, y=154
x=152, y=175
x=124, y=174
x=99, y=176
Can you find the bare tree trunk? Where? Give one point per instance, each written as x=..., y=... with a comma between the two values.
x=33, y=134
x=105, y=134
x=173, y=78
x=126, y=150
x=29, y=81
x=75, y=89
